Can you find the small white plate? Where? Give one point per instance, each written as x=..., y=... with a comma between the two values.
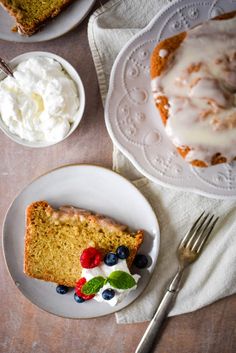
x=79, y=86
x=64, y=22
x=132, y=119
x=89, y=187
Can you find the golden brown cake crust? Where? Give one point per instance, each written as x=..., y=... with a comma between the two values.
x=28, y=21
x=158, y=64
x=55, y=239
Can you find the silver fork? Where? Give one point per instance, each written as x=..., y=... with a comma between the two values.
x=188, y=251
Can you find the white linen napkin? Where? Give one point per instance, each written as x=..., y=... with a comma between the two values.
x=213, y=276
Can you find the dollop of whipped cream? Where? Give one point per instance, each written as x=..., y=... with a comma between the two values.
x=200, y=84
x=104, y=271
x=40, y=102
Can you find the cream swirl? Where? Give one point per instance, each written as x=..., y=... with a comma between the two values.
x=40, y=102
x=104, y=271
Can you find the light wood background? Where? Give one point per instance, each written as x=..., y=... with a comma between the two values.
x=25, y=328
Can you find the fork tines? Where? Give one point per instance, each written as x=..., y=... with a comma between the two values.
x=200, y=231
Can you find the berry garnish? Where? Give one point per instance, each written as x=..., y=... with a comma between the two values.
x=110, y=259
x=62, y=289
x=78, y=299
x=140, y=261
x=90, y=258
x=108, y=294
x=122, y=252
x=78, y=289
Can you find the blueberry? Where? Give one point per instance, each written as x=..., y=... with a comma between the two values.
x=108, y=294
x=140, y=261
x=78, y=299
x=122, y=252
x=62, y=289
x=110, y=259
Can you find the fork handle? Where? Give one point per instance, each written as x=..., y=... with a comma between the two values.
x=148, y=338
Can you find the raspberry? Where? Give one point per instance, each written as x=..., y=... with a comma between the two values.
x=90, y=258
x=78, y=289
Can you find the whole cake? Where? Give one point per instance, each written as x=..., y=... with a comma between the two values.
x=194, y=86
x=30, y=15
x=55, y=240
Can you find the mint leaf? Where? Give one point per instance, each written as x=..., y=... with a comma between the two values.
x=121, y=280
x=93, y=286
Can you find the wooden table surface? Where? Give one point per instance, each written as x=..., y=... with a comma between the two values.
x=25, y=328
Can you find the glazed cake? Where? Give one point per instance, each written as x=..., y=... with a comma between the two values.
x=30, y=15
x=55, y=240
x=194, y=86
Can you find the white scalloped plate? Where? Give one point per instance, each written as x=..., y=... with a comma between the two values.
x=64, y=22
x=131, y=116
x=90, y=187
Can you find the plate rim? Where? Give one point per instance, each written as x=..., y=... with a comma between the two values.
x=122, y=148
x=23, y=39
x=157, y=238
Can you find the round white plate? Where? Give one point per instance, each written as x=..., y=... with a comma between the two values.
x=64, y=22
x=132, y=119
x=89, y=187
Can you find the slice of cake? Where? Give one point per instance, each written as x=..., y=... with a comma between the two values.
x=194, y=86
x=30, y=15
x=55, y=240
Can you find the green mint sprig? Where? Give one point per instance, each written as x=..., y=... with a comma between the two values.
x=121, y=280
x=117, y=279
x=93, y=285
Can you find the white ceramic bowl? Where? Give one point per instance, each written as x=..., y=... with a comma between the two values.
x=73, y=75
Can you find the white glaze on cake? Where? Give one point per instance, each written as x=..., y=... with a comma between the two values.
x=163, y=53
x=200, y=84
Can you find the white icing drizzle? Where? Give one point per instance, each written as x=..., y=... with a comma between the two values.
x=200, y=84
x=163, y=53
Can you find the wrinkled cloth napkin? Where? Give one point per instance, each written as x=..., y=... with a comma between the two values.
x=213, y=275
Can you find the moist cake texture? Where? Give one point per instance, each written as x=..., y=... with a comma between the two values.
x=55, y=239
x=30, y=15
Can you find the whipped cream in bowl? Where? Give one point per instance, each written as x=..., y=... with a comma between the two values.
x=43, y=103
